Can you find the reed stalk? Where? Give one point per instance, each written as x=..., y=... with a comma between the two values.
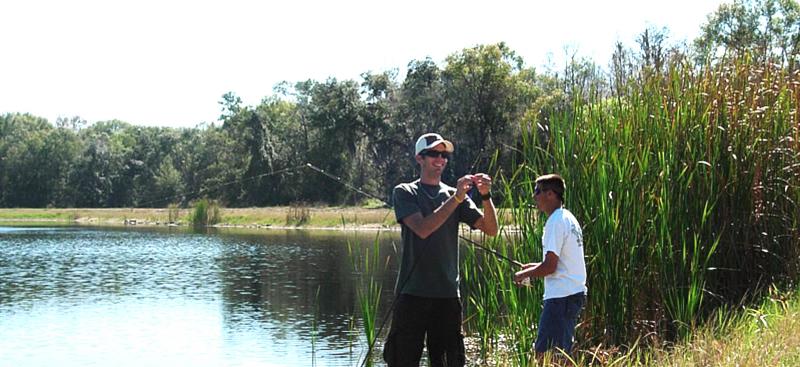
x=205, y=213
x=687, y=184
x=367, y=265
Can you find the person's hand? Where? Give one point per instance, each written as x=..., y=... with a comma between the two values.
x=483, y=182
x=463, y=186
x=521, y=278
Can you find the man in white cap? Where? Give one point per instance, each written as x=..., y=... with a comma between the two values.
x=428, y=305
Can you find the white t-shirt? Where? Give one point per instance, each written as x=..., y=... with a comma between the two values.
x=563, y=236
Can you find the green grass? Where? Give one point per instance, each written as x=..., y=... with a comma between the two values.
x=43, y=215
x=327, y=217
x=368, y=263
x=768, y=334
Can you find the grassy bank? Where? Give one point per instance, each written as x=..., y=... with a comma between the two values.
x=311, y=217
x=768, y=334
x=765, y=335
x=687, y=186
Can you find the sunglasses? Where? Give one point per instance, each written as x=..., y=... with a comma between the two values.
x=435, y=153
x=538, y=191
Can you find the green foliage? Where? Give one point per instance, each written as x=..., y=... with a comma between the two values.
x=487, y=89
x=206, y=213
x=681, y=164
x=687, y=185
x=770, y=29
x=367, y=264
x=173, y=213
x=35, y=161
x=298, y=214
x=371, y=203
x=167, y=183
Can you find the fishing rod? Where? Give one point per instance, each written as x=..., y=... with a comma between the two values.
x=389, y=205
x=349, y=186
x=413, y=267
x=198, y=192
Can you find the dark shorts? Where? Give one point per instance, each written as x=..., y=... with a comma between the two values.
x=416, y=317
x=557, y=323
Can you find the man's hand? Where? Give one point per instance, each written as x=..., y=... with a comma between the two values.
x=483, y=182
x=463, y=186
x=522, y=276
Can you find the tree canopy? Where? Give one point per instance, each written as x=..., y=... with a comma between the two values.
x=484, y=98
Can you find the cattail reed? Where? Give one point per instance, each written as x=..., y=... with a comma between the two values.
x=687, y=183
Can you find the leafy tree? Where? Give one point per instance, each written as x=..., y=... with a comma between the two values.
x=652, y=45
x=167, y=184
x=284, y=149
x=487, y=89
x=373, y=165
x=22, y=148
x=211, y=166
x=768, y=28
x=35, y=160
x=331, y=113
x=92, y=179
x=249, y=129
x=420, y=109
x=74, y=123
x=61, y=149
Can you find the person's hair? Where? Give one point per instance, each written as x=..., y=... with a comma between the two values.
x=553, y=182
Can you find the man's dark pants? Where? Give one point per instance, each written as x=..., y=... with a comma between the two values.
x=413, y=319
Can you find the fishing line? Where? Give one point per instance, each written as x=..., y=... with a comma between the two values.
x=402, y=284
x=197, y=193
x=349, y=186
x=389, y=205
x=360, y=191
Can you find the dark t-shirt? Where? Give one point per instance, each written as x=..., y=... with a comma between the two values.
x=436, y=274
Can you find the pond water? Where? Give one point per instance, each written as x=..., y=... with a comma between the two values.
x=78, y=296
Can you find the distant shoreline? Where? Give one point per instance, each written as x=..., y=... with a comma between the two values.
x=317, y=218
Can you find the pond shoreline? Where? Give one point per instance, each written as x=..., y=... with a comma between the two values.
x=281, y=218
x=318, y=218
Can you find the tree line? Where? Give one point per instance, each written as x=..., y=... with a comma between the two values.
x=483, y=98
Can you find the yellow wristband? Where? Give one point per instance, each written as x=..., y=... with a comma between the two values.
x=457, y=199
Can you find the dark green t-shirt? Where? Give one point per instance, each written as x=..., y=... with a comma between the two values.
x=436, y=274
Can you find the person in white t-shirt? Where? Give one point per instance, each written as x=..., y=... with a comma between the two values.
x=563, y=268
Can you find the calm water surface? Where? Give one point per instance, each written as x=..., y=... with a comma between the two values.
x=154, y=297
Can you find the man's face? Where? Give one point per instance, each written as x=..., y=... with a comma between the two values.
x=542, y=198
x=433, y=160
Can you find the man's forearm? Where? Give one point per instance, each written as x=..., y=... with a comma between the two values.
x=424, y=226
x=489, y=218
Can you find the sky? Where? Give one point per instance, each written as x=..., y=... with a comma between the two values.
x=168, y=62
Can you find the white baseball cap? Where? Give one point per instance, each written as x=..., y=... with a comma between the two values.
x=430, y=140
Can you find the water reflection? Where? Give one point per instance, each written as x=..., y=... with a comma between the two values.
x=224, y=298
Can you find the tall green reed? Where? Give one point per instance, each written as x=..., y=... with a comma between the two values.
x=368, y=264
x=205, y=213
x=687, y=184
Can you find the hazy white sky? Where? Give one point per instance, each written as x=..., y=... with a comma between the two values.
x=168, y=62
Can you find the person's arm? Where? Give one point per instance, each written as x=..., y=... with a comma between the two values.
x=488, y=222
x=538, y=270
x=424, y=226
